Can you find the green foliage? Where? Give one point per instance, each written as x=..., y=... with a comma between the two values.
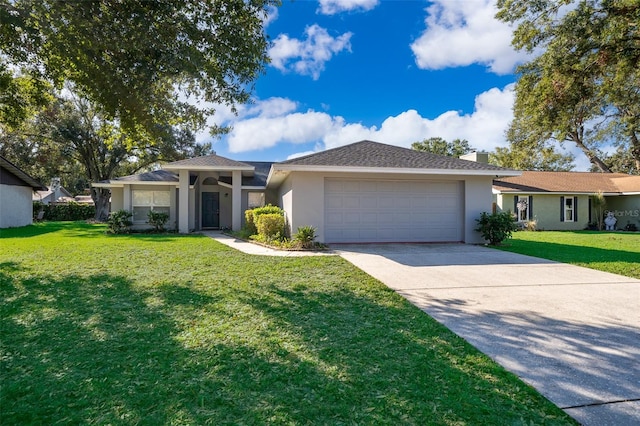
x=158, y=220
x=130, y=59
x=496, y=227
x=119, y=222
x=583, y=87
x=437, y=145
x=525, y=157
x=64, y=212
x=305, y=236
x=599, y=202
x=249, y=222
x=270, y=226
x=251, y=217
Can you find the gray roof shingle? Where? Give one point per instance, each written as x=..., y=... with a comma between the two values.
x=375, y=154
x=20, y=174
x=212, y=160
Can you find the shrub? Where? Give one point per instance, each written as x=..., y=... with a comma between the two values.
x=157, y=220
x=305, y=236
x=270, y=226
x=65, y=212
x=249, y=222
x=251, y=216
x=496, y=227
x=120, y=222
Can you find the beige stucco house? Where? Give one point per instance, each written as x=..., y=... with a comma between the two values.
x=363, y=192
x=16, y=189
x=563, y=200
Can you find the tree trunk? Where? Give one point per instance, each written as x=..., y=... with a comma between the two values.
x=593, y=158
x=101, y=200
x=635, y=151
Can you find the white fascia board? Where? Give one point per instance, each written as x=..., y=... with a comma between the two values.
x=628, y=193
x=107, y=185
x=391, y=170
x=255, y=188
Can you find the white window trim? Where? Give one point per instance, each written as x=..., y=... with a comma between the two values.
x=523, y=199
x=571, y=209
x=152, y=206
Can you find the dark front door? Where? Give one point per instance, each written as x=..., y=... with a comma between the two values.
x=210, y=209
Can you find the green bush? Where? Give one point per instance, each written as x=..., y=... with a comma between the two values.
x=270, y=226
x=496, y=227
x=251, y=216
x=249, y=222
x=305, y=236
x=157, y=220
x=119, y=222
x=71, y=211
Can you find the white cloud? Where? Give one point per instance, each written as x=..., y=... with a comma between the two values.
x=308, y=56
x=484, y=128
x=331, y=7
x=463, y=33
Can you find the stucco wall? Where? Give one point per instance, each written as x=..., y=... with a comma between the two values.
x=546, y=211
x=16, y=206
x=626, y=209
x=117, y=199
x=301, y=195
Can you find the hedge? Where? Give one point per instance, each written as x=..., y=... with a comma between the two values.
x=64, y=212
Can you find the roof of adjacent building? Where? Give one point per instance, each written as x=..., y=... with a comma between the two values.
x=20, y=174
x=207, y=161
x=154, y=176
x=371, y=154
x=574, y=182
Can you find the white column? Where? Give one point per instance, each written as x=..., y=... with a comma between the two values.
x=236, y=200
x=183, y=202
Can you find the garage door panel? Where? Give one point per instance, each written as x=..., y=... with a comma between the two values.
x=392, y=211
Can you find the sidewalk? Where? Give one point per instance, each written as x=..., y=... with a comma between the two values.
x=256, y=249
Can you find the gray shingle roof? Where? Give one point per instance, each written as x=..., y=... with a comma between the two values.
x=20, y=174
x=155, y=176
x=212, y=160
x=375, y=154
x=259, y=177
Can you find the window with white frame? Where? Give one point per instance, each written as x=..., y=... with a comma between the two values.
x=569, y=209
x=522, y=207
x=144, y=201
x=255, y=199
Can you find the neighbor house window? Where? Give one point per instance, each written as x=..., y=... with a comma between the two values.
x=568, y=209
x=145, y=201
x=255, y=199
x=522, y=208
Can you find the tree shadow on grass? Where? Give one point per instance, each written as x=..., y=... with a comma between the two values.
x=101, y=349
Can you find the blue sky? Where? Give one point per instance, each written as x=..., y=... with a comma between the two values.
x=392, y=71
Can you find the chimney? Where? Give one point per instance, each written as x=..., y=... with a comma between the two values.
x=478, y=157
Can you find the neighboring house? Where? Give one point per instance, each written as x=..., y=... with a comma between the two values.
x=52, y=195
x=563, y=200
x=363, y=192
x=16, y=189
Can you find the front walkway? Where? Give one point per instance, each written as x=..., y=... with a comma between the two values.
x=251, y=248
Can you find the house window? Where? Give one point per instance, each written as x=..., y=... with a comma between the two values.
x=255, y=199
x=522, y=208
x=568, y=209
x=145, y=201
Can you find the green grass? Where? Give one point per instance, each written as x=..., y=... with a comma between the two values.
x=616, y=252
x=169, y=329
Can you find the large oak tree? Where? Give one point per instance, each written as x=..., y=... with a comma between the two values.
x=583, y=85
x=134, y=58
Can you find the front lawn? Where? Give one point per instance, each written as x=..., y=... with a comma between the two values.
x=169, y=329
x=617, y=252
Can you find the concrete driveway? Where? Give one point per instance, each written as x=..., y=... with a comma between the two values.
x=572, y=333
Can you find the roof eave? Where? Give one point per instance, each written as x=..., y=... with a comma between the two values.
x=391, y=170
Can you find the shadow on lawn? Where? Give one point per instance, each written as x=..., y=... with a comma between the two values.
x=99, y=349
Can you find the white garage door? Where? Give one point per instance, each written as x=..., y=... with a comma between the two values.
x=392, y=211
